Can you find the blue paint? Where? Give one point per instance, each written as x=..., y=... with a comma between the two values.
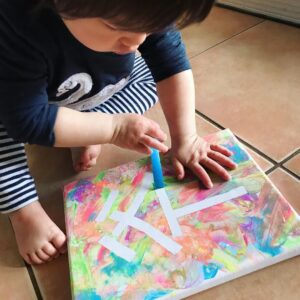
x=228, y=248
x=210, y=270
x=87, y=294
x=156, y=294
x=261, y=243
x=121, y=266
x=156, y=169
x=92, y=217
x=239, y=155
x=266, y=247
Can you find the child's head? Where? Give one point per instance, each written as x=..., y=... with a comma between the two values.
x=137, y=15
x=122, y=25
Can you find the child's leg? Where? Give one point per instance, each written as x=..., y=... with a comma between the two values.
x=38, y=238
x=136, y=97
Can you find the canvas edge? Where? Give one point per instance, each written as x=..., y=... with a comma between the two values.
x=264, y=174
x=247, y=270
x=226, y=278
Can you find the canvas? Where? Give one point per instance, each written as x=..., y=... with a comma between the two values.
x=129, y=241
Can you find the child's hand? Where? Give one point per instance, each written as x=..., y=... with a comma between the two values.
x=138, y=133
x=195, y=153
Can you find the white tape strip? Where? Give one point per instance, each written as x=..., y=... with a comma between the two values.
x=117, y=248
x=137, y=201
x=155, y=234
x=107, y=206
x=169, y=212
x=208, y=202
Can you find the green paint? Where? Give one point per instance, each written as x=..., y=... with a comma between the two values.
x=229, y=262
x=80, y=268
x=74, y=209
x=198, y=225
x=105, y=193
x=141, y=247
x=99, y=177
x=292, y=242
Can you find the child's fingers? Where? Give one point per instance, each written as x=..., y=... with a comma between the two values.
x=199, y=171
x=155, y=131
x=221, y=149
x=221, y=159
x=179, y=169
x=141, y=148
x=216, y=168
x=153, y=143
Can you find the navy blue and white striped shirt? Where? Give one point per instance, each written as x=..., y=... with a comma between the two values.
x=43, y=66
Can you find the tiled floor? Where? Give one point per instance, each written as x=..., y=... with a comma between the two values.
x=247, y=74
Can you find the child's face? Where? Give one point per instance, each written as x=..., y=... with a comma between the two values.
x=100, y=35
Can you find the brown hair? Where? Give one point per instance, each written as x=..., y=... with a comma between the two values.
x=136, y=15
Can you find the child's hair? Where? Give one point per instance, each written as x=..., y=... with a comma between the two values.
x=136, y=15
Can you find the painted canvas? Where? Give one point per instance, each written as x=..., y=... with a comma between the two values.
x=129, y=241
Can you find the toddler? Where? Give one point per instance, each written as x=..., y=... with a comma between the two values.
x=70, y=76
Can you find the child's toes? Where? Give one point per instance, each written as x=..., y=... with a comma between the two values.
x=59, y=241
x=49, y=249
x=42, y=255
x=63, y=249
x=27, y=258
x=34, y=259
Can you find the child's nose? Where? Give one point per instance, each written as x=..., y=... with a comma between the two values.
x=133, y=40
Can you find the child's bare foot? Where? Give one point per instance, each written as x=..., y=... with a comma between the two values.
x=39, y=239
x=85, y=158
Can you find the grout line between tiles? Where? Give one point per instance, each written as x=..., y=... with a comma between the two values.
x=290, y=172
x=269, y=159
x=271, y=170
x=217, y=44
x=290, y=156
x=240, y=139
x=32, y=278
x=34, y=282
x=281, y=165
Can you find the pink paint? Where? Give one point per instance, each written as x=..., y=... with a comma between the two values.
x=101, y=254
x=163, y=280
x=86, y=248
x=138, y=178
x=90, y=208
x=125, y=203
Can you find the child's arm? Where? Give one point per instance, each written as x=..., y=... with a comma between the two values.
x=74, y=129
x=177, y=97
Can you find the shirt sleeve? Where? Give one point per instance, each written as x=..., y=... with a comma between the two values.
x=24, y=108
x=165, y=54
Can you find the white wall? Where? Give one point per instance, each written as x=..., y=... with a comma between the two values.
x=288, y=10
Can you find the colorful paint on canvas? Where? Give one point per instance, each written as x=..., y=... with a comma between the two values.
x=129, y=241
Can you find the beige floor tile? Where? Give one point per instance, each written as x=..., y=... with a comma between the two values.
x=294, y=164
x=264, y=164
x=288, y=185
x=54, y=280
x=260, y=285
x=15, y=282
x=251, y=84
x=220, y=25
